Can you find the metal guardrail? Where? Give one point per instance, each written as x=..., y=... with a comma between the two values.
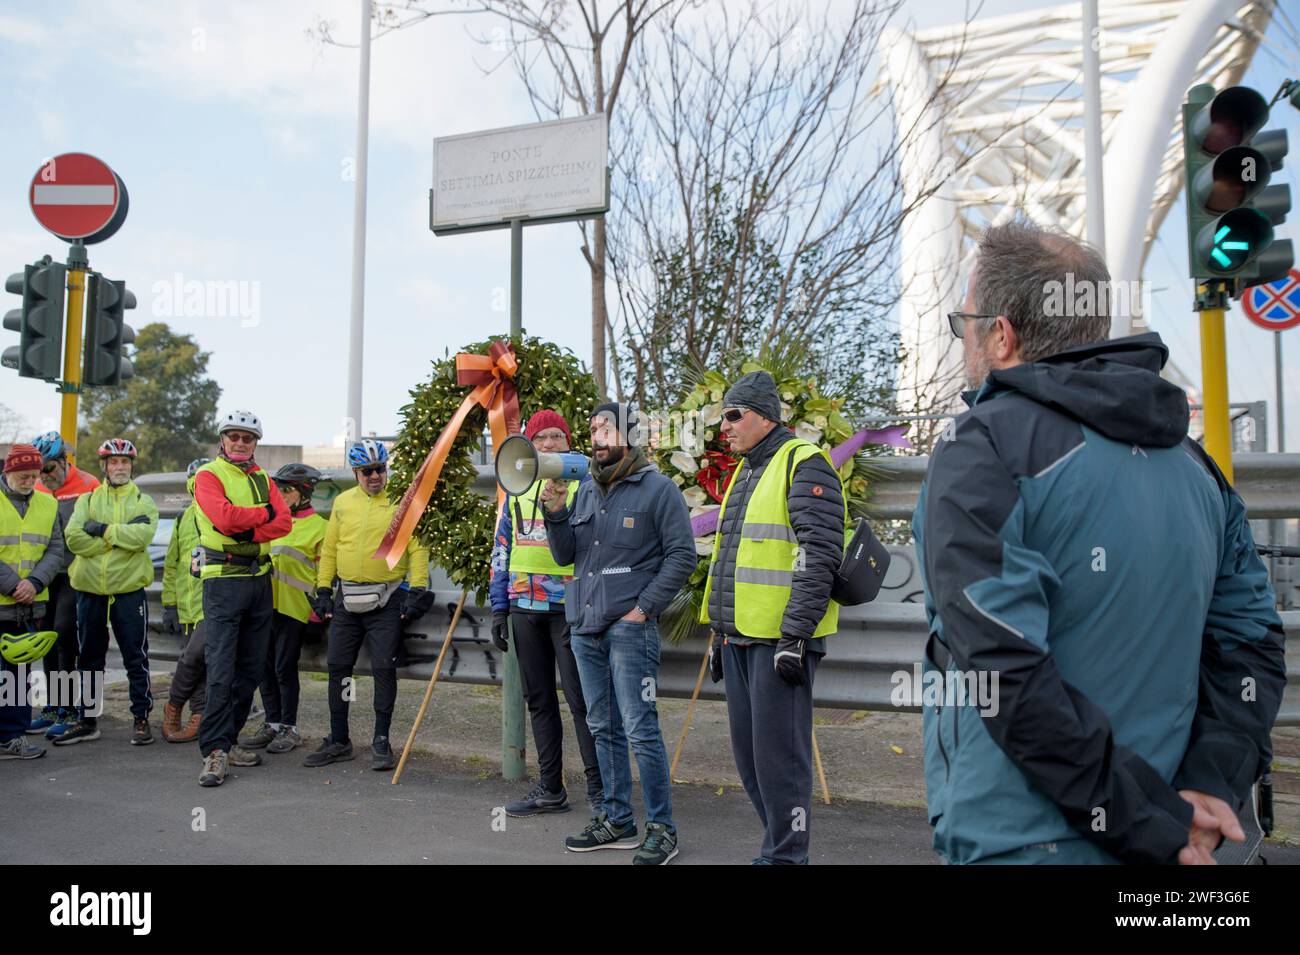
x=874, y=643
x=1268, y=483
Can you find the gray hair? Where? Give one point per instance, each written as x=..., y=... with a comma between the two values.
x=1052, y=288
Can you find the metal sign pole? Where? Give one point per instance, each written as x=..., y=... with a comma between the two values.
x=514, y=747
x=516, y=277
x=78, y=266
x=1277, y=380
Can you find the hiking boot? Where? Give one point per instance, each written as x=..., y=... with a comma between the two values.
x=659, y=847
x=141, y=735
x=43, y=721
x=603, y=834
x=19, y=748
x=538, y=801
x=285, y=740
x=381, y=755
x=60, y=725
x=78, y=731
x=214, y=769
x=260, y=739
x=171, y=724
x=329, y=752
x=191, y=730
x=239, y=756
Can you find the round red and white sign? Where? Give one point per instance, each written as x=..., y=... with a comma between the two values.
x=78, y=197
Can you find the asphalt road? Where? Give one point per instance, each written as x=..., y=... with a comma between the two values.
x=117, y=803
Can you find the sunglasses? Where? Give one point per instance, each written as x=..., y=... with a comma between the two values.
x=49, y=469
x=957, y=321
x=374, y=469
x=734, y=414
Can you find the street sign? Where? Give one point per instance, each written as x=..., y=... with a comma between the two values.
x=78, y=197
x=540, y=172
x=1276, y=305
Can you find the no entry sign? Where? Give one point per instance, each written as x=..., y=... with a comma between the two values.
x=78, y=197
x=1275, y=306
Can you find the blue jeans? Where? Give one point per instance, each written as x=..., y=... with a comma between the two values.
x=619, y=670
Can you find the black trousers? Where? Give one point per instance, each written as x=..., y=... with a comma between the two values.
x=190, y=681
x=381, y=631
x=236, y=629
x=771, y=739
x=280, y=688
x=129, y=616
x=542, y=646
x=62, y=605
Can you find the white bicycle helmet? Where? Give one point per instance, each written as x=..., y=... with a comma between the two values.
x=241, y=421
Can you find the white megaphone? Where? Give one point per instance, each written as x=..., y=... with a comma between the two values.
x=520, y=465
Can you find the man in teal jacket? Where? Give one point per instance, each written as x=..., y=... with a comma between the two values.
x=1090, y=573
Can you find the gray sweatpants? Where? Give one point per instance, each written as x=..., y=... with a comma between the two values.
x=771, y=739
x=190, y=681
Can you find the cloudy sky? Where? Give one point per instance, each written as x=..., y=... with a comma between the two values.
x=234, y=132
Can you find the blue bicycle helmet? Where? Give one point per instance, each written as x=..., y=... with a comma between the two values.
x=51, y=445
x=367, y=453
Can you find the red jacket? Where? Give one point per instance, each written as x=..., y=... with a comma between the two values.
x=75, y=483
x=230, y=520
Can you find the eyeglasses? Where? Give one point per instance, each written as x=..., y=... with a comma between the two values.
x=374, y=469
x=957, y=321
x=734, y=414
x=239, y=438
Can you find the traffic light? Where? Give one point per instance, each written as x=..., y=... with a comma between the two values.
x=106, y=334
x=39, y=322
x=1231, y=209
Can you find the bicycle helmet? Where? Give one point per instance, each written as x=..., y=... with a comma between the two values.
x=27, y=647
x=51, y=445
x=241, y=421
x=367, y=453
x=117, y=448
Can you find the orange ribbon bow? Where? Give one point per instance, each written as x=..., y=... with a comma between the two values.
x=491, y=376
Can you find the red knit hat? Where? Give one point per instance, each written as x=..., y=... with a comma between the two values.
x=541, y=420
x=23, y=457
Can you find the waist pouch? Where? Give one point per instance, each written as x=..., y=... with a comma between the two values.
x=363, y=598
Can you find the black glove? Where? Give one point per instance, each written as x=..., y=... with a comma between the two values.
x=139, y=519
x=243, y=537
x=171, y=622
x=715, y=658
x=323, y=602
x=501, y=630
x=94, y=528
x=417, y=603
x=788, y=660
x=270, y=513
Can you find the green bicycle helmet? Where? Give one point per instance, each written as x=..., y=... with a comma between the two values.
x=27, y=647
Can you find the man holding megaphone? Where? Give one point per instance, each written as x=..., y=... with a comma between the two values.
x=628, y=533
x=527, y=595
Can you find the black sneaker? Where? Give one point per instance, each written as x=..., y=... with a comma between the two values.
x=538, y=801
x=659, y=847
x=78, y=732
x=603, y=834
x=258, y=740
x=141, y=735
x=381, y=755
x=329, y=752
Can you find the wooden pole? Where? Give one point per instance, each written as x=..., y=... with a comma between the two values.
x=433, y=681
x=690, y=711
x=821, y=771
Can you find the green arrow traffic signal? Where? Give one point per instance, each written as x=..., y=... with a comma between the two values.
x=1227, y=165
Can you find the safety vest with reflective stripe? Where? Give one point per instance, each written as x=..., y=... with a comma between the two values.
x=529, y=552
x=23, y=539
x=243, y=489
x=294, y=560
x=768, y=551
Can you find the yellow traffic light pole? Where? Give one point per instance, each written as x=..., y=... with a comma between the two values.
x=1211, y=302
x=78, y=267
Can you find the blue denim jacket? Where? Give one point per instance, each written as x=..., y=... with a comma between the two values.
x=631, y=545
